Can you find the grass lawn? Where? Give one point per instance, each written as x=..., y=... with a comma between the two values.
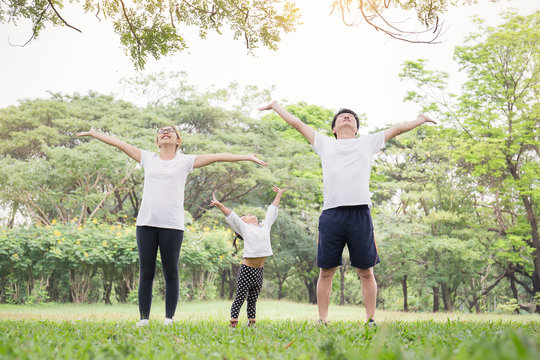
x=285, y=331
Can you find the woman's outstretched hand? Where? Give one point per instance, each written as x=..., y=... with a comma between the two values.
x=255, y=159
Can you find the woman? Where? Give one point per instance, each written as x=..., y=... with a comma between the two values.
x=160, y=222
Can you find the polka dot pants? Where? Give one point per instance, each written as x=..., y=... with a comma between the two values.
x=248, y=284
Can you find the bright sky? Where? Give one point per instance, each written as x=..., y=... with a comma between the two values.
x=324, y=62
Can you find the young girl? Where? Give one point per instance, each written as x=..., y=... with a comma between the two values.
x=256, y=249
x=160, y=221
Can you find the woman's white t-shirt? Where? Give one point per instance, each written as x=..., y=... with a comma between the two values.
x=256, y=237
x=163, y=193
x=346, y=166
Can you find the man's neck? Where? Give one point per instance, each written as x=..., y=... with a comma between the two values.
x=344, y=135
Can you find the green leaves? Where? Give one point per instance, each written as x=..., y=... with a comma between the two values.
x=156, y=28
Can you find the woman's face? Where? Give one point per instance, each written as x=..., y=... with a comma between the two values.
x=167, y=136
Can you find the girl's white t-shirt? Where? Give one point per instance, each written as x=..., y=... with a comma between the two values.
x=256, y=237
x=346, y=166
x=163, y=193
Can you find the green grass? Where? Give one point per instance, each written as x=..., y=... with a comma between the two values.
x=285, y=331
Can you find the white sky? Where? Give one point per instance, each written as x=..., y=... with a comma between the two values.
x=324, y=62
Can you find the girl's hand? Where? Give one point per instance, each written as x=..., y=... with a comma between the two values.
x=269, y=106
x=214, y=201
x=255, y=159
x=92, y=132
x=278, y=190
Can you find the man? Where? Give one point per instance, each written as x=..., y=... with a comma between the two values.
x=346, y=219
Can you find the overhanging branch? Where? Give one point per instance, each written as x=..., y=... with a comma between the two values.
x=60, y=17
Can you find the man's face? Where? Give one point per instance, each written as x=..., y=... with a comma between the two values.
x=345, y=120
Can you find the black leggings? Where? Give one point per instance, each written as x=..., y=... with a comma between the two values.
x=248, y=284
x=169, y=242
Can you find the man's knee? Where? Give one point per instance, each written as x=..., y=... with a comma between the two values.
x=327, y=274
x=365, y=274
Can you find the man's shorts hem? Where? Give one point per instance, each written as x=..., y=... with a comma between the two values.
x=365, y=266
x=328, y=267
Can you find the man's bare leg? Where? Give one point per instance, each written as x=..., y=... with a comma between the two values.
x=324, y=288
x=369, y=291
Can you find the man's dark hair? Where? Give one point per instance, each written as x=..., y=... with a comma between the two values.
x=348, y=111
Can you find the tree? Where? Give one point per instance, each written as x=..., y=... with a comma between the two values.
x=288, y=244
x=156, y=27
x=378, y=14
x=497, y=115
x=432, y=235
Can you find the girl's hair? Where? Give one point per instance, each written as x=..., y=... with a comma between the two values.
x=238, y=236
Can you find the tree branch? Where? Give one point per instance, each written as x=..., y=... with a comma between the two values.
x=128, y=175
x=59, y=16
x=33, y=30
x=131, y=28
x=391, y=31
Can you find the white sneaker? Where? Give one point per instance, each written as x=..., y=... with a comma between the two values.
x=143, y=322
x=167, y=322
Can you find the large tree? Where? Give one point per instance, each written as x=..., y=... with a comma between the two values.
x=157, y=27
x=498, y=118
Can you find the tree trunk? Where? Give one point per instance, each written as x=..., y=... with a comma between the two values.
x=435, y=299
x=14, y=209
x=342, y=285
x=447, y=298
x=529, y=207
x=515, y=293
x=107, y=289
x=121, y=291
x=404, y=286
x=311, y=286
x=528, y=203
x=223, y=279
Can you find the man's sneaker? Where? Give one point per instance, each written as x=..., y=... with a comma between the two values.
x=167, y=322
x=371, y=324
x=142, y=322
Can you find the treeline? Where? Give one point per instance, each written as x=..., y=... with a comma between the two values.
x=455, y=206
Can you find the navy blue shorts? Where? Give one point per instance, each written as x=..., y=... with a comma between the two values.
x=349, y=225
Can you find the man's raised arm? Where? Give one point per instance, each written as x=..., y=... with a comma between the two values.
x=304, y=129
x=402, y=128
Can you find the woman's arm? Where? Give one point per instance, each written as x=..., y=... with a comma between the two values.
x=132, y=151
x=206, y=159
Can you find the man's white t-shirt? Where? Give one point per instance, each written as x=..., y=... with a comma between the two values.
x=256, y=237
x=346, y=166
x=163, y=193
